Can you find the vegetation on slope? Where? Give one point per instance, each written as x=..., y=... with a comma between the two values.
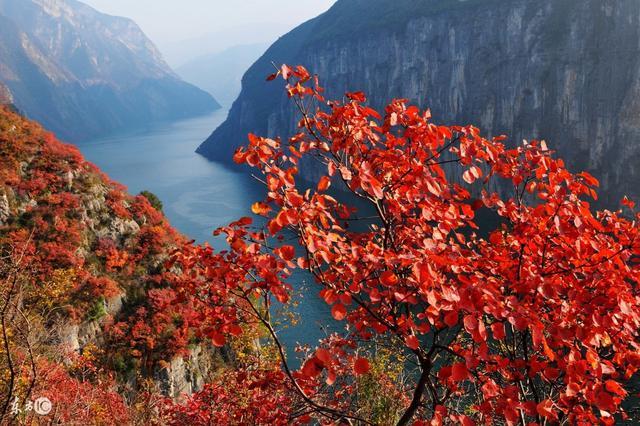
x=88, y=306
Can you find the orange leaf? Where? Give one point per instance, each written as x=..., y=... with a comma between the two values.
x=324, y=183
x=388, y=278
x=615, y=388
x=260, y=209
x=339, y=312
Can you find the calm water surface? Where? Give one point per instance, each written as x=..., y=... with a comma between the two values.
x=198, y=195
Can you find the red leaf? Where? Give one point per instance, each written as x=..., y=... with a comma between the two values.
x=490, y=389
x=497, y=328
x=459, y=372
x=451, y=319
x=470, y=324
x=357, y=96
x=311, y=368
x=218, y=339
x=235, y=330
x=286, y=252
x=545, y=409
x=324, y=356
x=627, y=202
x=412, y=342
x=376, y=187
x=388, y=278
x=361, y=366
x=589, y=179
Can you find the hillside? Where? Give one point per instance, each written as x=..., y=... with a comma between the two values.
x=557, y=70
x=84, y=74
x=87, y=297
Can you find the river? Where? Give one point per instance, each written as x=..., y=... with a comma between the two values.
x=197, y=195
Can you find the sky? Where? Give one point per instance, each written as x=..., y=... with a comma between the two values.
x=174, y=24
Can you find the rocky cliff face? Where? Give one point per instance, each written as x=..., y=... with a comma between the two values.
x=83, y=74
x=564, y=71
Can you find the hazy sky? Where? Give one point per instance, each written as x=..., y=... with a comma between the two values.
x=169, y=21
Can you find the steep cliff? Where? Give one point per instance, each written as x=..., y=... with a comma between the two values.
x=560, y=70
x=83, y=74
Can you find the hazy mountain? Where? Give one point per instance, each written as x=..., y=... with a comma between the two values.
x=221, y=73
x=83, y=74
x=181, y=52
x=560, y=70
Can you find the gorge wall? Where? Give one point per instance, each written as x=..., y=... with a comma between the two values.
x=560, y=70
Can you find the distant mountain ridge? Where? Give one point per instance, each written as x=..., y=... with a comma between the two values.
x=221, y=73
x=84, y=74
x=560, y=70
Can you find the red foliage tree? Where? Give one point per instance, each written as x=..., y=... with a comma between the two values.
x=531, y=320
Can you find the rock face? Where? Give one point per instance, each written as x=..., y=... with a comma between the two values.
x=84, y=74
x=560, y=70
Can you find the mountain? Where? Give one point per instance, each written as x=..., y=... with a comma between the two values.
x=564, y=71
x=181, y=52
x=221, y=73
x=84, y=74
